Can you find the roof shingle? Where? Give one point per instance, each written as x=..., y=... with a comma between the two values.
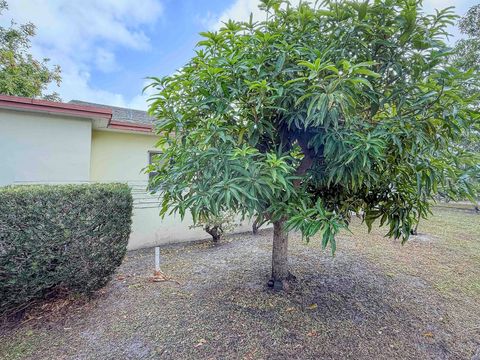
x=122, y=114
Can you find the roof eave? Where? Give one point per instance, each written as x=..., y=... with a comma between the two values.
x=130, y=127
x=56, y=108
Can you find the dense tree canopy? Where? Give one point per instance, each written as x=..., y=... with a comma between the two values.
x=20, y=73
x=314, y=114
x=466, y=57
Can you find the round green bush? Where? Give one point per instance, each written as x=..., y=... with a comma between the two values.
x=60, y=237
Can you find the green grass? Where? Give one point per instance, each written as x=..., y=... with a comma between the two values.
x=446, y=253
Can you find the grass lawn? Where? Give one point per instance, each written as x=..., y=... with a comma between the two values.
x=376, y=299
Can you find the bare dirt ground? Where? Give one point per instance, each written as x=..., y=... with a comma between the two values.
x=376, y=299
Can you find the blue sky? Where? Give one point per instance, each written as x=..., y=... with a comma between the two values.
x=106, y=48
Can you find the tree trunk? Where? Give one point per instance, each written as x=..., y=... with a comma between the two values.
x=256, y=226
x=214, y=232
x=280, y=272
x=414, y=231
x=216, y=237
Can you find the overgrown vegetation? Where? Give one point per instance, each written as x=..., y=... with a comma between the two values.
x=60, y=238
x=317, y=112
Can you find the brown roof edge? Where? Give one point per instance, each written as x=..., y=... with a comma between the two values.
x=128, y=126
x=21, y=103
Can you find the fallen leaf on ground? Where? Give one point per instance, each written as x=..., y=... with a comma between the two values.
x=312, y=306
x=135, y=286
x=250, y=355
x=161, y=277
x=201, y=342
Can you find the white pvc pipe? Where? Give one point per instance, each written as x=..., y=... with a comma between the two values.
x=157, y=259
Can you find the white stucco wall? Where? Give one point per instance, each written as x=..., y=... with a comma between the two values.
x=45, y=148
x=121, y=157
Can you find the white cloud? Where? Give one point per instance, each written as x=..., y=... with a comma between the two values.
x=105, y=60
x=140, y=101
x=240, y=10
x=208, y=20
x=81, y=37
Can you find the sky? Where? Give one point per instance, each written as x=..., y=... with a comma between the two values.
x=107, y=48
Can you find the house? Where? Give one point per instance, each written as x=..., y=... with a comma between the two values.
x=77, y=142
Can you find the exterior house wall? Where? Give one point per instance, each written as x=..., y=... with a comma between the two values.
x=47, y=147
x=36, y=147
x=118, y=156
x=121, y=157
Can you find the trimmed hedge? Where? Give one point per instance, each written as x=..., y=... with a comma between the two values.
x=60, y=238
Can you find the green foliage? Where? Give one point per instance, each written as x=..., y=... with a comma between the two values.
x=20, y=73
x=65, y=237
x=466, y=57
x=317, y=113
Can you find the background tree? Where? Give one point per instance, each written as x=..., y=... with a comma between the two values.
x=467, y=50
x=20, y=73
x=312, y=115
x=466, y=57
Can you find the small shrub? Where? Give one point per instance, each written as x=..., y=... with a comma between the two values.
x=216, y=226
x=60, y=237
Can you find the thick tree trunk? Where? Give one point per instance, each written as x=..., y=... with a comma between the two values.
x=280, y=272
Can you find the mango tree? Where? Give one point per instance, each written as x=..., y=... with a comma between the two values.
x=313, y=114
